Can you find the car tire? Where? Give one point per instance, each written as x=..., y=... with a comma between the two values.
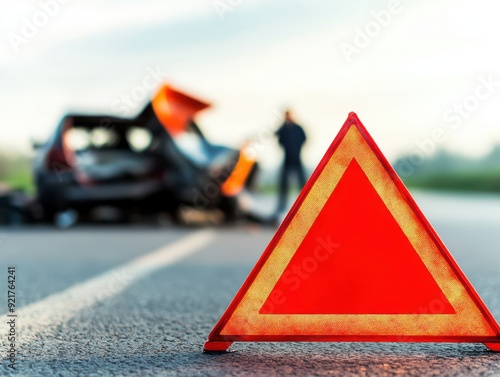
x=230, y=208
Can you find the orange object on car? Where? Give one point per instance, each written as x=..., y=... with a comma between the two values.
x=175, y=109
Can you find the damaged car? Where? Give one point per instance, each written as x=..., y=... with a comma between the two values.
x=157, y=162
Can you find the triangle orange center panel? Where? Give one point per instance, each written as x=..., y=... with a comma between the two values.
x=357, y=262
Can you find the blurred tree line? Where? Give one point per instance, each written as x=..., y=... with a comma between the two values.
x=15, y=171
x=445, y=170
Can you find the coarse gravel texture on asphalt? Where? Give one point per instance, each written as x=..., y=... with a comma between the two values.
x=157, y=326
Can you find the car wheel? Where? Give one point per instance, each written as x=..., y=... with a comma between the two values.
x=229, y=206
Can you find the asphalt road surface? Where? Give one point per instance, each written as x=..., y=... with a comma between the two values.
x=140, y=301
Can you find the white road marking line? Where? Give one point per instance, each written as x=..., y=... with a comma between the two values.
x=43, y=316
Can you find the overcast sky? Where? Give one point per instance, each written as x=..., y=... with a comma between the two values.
x=410, y=69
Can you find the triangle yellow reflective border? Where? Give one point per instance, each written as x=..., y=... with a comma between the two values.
x=471, y=322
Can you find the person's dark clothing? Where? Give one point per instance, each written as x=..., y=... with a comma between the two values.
x=291, y=137
x=286, y=171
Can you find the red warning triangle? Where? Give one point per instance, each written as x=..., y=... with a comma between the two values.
x=355, y=260
x=351, y=269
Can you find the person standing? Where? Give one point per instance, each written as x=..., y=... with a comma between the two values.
x=291, y=138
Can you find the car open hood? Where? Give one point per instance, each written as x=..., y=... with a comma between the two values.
x=175, y=109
